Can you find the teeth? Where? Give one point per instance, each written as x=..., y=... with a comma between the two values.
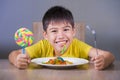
x=62, y=42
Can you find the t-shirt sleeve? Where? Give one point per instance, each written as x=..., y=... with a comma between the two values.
x=84, y=49
x=34, y=49
x=40, y=49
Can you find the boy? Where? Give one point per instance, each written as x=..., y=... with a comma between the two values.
x=59, y=30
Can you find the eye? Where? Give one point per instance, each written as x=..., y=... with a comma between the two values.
x=53, y=31
x=66, y=29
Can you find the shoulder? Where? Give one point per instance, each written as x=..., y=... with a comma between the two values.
x=80, y=44
x=76, y=41
x=43, y=42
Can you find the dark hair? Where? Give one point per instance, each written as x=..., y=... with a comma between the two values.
x=57, y=14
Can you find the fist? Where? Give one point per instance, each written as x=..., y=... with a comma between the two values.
x=99, y=62
x=22, y=61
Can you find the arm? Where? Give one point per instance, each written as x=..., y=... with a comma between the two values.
x=102, y=60
x=18, y=59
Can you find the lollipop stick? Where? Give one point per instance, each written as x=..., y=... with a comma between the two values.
x=23, y=50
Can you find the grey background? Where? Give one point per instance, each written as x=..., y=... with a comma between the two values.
x=101, y=15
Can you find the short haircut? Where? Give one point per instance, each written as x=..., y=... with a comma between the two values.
x=57, y=14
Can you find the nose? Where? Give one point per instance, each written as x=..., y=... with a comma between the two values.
x=60, y=34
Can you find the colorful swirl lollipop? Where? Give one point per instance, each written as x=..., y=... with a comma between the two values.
x=23, y=37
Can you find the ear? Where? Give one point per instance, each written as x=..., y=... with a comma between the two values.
x=74, y=32
x=45, y=35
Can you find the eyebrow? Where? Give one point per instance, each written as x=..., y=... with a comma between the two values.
x=67, y=26
x=52, y=28
x=63, y=27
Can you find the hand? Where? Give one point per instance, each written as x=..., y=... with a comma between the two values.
x=22, y=61
x=99, y=62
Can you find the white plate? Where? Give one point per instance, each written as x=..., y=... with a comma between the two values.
x=75, y=61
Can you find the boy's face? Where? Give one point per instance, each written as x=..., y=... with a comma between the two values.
x=59, y=34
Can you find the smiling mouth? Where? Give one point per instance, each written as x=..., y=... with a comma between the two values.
x=62, y=43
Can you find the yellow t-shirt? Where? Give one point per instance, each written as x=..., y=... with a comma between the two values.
x=43, y=48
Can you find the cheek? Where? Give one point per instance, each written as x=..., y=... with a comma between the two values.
x=70, y=35
x=51, y=38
